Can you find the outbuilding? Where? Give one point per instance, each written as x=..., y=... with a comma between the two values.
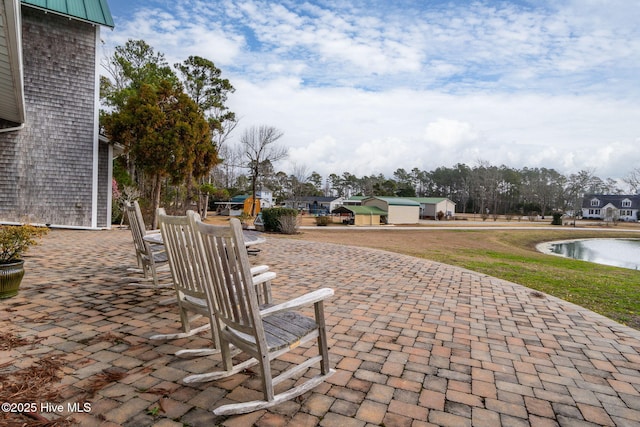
x=360, y=215
x=430, y=206
x=399, y=210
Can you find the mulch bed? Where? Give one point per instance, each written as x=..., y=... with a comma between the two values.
x=31, y=385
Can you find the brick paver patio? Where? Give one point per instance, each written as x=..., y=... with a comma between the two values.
x=414, y=343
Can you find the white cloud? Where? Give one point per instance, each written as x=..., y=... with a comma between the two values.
x=449, y=133
x=373, y=133
x=178, y=38
x=368, y=90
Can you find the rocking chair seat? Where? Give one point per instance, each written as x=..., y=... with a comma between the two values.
x=160, y=257
x=281, y=330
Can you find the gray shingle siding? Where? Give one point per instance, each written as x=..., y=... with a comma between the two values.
x=104, y=217
x=8, y=180
x=46, y=169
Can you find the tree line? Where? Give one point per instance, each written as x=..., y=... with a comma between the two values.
x=482, y=188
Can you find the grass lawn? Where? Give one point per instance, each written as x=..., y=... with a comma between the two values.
x=511, y=255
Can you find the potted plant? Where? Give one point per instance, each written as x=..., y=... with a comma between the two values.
x=14, y=242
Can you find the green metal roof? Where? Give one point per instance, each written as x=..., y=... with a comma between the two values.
x=361, y=210
x=239, y=199
x=397, y=201
x=93, y=11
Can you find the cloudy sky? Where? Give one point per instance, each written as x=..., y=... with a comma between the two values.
x=372, y=86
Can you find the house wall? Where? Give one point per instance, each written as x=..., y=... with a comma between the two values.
x=427, y=210
x=366, y=220
x=403, y=214
x=316, y=208
x=336, y=203
x=446, y=206
x=105, y=173
x=431, y=210
x=396, y=214
x=47, y=168
x=601, y=213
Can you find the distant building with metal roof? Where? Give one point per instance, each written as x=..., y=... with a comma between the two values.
x=399, y=210
x=360, y=215
x=431, y=206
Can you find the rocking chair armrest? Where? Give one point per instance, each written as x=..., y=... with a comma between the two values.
x=301, y=301
x=259, y=269
x=264, y=277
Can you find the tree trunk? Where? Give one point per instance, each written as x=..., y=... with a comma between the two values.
x=254, y=184
x=205, y=208
x=156, y=200
x=203, y=199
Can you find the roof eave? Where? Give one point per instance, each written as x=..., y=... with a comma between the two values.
x=75, y=18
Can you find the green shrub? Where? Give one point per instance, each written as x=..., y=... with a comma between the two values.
x=271, y=217
x=557, y=219
x=15, y=240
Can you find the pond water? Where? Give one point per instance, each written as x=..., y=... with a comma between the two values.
x=616, y=252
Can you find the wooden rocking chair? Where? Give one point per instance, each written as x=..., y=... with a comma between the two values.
x=188, y=275
x=179, y=242
x=151, y=258
x=264, y=332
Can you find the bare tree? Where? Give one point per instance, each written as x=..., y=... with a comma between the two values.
x=226, y=173
x=633, y=180
x=578, y=185
x=259, y=143
x=298, y=184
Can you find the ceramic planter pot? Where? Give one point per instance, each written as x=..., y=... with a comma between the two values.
x=10, y=278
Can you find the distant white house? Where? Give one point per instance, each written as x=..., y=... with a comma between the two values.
x=266, y=199
x=314, y=205
x=611, y=207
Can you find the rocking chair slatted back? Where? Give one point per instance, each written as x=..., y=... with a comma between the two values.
x=235, y=294
x=138, y=229
x=150, y=257
x=179, y=240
